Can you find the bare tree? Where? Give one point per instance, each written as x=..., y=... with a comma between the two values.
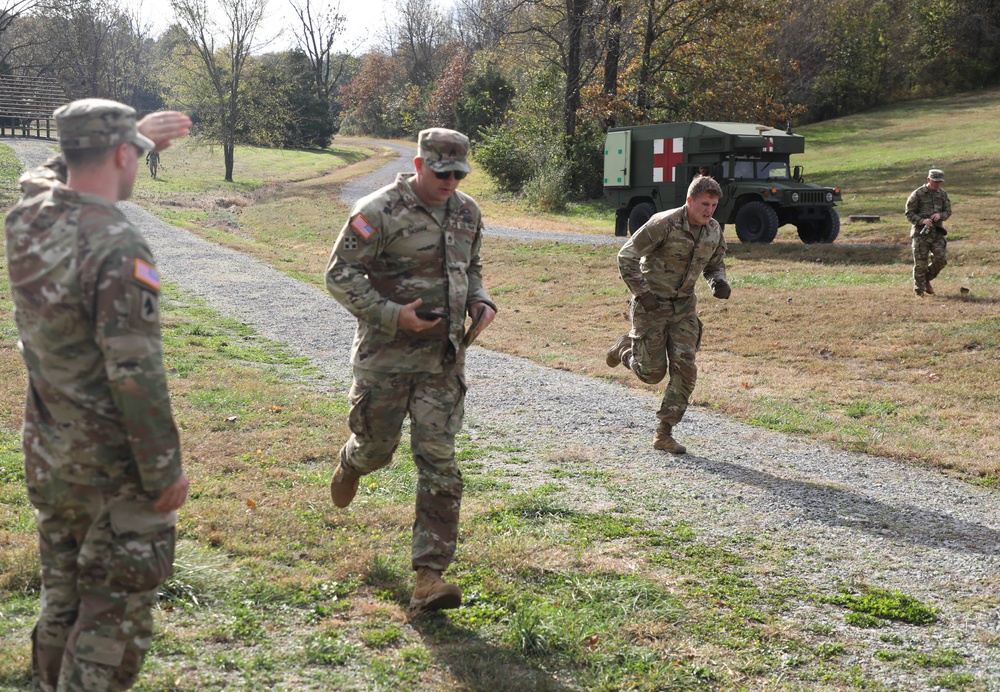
x=419, y=38
x=481, y=25
x=317, y=34
x=224, y=65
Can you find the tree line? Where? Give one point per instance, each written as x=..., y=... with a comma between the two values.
x=535, y=83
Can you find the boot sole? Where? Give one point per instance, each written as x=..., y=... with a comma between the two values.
x=335, y=487
x=613, y=357
x=445, y=601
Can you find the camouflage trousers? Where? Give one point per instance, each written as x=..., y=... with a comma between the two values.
x=104, y=553
x=666, y=341
x=435, y=403
x=929, y=258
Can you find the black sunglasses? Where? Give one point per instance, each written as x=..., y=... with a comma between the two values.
x=444, y=175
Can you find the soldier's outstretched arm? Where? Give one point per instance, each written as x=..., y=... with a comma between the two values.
x=163, y=127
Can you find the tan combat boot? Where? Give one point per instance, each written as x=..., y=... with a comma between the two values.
x=665, y=442
x=344, y=485
x=614, y=356
x=433, y=593
x=928, y=289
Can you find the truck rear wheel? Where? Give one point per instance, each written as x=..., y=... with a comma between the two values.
x=823, y=230
x=756, y=222
x=639, y=215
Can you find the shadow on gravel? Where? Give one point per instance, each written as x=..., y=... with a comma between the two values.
x=838, y=507
x=478, y=665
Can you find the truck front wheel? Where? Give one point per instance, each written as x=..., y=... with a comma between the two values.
x=756, y=222
x=639, y=215
x=824, y=230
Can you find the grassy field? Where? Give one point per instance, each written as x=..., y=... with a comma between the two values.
x=274, y=588
x=826, y=341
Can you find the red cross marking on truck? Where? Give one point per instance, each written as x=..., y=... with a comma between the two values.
x=769, y=144
x=667, y=153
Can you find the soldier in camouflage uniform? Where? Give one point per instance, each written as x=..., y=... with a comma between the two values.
x=660, y=264
x=101, y=451
x=927, y=208
x=406, y=264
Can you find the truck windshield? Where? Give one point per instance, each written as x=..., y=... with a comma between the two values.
x=748, y=168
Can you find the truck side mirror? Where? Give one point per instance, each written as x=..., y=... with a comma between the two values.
x=797, y=173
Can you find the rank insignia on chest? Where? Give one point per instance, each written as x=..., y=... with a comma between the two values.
x=351, y=242
x=361, y=225
x=449, y=238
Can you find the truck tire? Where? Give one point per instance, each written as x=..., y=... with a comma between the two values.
x=639, y=215
x=823, y=230
x=756, y=222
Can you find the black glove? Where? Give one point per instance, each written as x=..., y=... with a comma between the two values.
x=649, y=301
x=721, y=290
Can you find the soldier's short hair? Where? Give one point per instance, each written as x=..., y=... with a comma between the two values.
x=704, y=184
x=90, y=157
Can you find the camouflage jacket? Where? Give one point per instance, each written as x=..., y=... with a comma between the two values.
x=86, y=302
x=392, y=251
x=666, y=256
x=924, y=202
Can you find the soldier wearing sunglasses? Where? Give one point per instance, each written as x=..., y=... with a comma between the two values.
x=406, y=265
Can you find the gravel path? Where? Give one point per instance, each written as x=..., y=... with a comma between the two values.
x=838, y=516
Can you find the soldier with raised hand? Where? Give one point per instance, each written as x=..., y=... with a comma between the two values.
x=406, y=265
x=927, y=208
x=660, y=264
x=101, y=452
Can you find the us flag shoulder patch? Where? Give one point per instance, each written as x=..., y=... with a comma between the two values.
x=145, y=273
x=361, y=225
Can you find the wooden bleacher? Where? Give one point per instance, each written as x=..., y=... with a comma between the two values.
x=26, y=106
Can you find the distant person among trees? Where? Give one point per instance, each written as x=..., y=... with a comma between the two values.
x=660, y=264
x=406, y=264
x=102, y=455
x=927, y=208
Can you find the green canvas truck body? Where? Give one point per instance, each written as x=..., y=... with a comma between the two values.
x=647, y=169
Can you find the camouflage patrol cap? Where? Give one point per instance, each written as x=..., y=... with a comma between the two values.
x=91, y=123
x=936, y=175
x=444, y=150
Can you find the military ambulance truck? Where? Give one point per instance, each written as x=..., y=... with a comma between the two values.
x=647, y=169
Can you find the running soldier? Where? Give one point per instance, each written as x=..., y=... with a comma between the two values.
x=660, y=264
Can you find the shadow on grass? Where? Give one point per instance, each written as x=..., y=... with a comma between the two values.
x=478, y=665
x=827, y=254
x=473, y=662
x=966, y=298
x=837, y=507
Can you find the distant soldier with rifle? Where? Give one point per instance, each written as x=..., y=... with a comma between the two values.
x=927, y=208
